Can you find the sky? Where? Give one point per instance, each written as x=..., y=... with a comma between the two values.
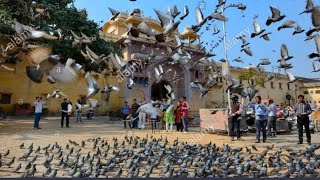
x=239, y=22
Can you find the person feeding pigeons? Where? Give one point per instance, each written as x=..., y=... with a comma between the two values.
x=235, y=116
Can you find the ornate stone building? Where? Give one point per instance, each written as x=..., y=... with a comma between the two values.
x=15, y=87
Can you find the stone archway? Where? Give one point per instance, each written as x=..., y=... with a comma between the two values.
x=158, y=91
x=180, y=88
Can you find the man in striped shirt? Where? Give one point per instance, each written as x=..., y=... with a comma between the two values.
x=303, y=110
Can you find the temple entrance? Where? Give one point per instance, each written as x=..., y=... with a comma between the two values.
x=158, y=91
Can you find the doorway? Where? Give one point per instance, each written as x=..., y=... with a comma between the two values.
x=158, y=91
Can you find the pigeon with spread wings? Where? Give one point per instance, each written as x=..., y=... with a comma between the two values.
x=317, y=42
x=93, y=87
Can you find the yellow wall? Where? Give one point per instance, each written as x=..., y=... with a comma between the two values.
x=312, y=95
x=19, y=85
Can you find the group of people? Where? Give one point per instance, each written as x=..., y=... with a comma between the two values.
x=66, y=111
x=169, y=116
x=265, y=118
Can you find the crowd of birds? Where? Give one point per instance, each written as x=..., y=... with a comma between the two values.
x=45, y=63
x=145, y=157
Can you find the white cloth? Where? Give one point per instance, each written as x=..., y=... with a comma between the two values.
x=142, y=120
x=167, y=126
x=69, y=108
x=38, y=106
x=154, y=115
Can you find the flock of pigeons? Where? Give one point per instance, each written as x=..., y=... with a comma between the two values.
x=45, y=63
x=135, y=157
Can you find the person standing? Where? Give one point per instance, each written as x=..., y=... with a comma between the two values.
x=261, y=113
x=142, y=116
x=134, y=107
x=178, y=114
x=65, y=112
x=303, y=110
x=235, y=112
x=79, y=111
x=185, y=114
x=272, y=118
x=37, y=112
x=125, y=109
x=169, y=117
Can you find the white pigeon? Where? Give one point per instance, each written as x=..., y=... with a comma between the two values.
x=64, y=73
x=257, y=29
x=149, y=109
x=167, y=22
x=131, y=83
x=94, y=103
x=93, y=87
x=56, y=94
x=110, y=88
x=290, y=76
x=315, y=67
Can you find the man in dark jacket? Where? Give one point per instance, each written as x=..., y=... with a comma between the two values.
x=64, y=113
x=303, y=110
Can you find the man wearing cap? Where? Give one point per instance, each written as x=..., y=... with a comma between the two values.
x=235, y=111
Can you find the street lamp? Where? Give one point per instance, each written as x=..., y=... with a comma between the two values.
x=224, y=8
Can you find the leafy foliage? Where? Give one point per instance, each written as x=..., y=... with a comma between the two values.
x=64, y=16
x=251, y=73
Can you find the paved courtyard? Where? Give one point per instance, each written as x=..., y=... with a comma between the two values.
x=17, y=131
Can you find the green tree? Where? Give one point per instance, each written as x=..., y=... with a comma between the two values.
x=251, y=73
x=62, y=15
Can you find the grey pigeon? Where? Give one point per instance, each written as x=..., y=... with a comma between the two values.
x=114, y=13
x=315, y=20
x=53, y=174
x=287, y=24
x=247, y=50
x=17, y=168
x=11, y=162
x=309, y=7
x=276, y=16
x=298, y=30
x=317, y=42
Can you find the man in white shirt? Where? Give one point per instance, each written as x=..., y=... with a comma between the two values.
x=37, y=112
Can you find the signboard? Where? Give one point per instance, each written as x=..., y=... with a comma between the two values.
x=225, y=68
x=214, y=122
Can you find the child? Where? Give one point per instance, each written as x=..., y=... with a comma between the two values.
x=169, y=117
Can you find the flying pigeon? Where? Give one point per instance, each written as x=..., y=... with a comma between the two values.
x=317, y=42
x=298, y=30
x=276, y=16
x=56, y=94
x=247, y=50
x=185, y=12
x=309, y=7
x=93, y=87
x=287, y=24
x=257, y=29
x=315, y=67
x=315, y=20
